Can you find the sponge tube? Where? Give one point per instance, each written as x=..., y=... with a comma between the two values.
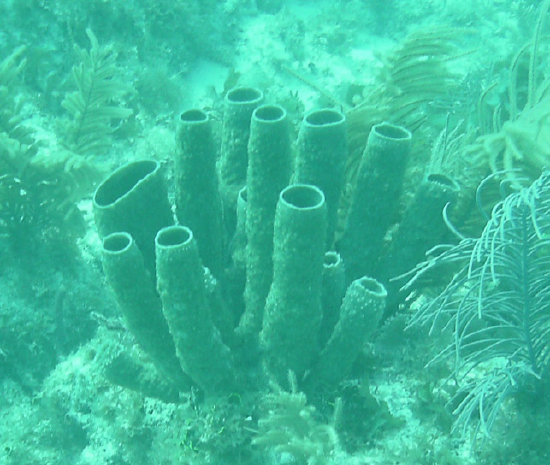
x=140, y=304
x=334, y=288
x=198, y=202
x=360, y=314
x=181, y=285
x=269, y=163
x=240, y=102
x=421, y=228
x=134, y=199
x=375, y=198
x=321, y=158
x=293, y=310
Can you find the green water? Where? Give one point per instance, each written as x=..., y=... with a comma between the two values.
x=285, y=139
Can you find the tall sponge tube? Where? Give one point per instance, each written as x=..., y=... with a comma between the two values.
x=293, y=310
x=180, y=283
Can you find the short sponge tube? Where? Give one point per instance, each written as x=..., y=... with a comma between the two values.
x=140, y=304
x=360, y=313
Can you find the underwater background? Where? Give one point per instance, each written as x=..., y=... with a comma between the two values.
x=365, y=184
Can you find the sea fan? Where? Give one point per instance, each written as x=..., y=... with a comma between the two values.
x=94, y=106
x=17, y=142
x=498, y=306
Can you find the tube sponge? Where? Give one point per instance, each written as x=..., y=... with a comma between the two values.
x=293, y=310
x=269, y=164
x=181, y=285
x=240, y=102
x=334, y=288
x=198, y=202
x=140, y=304
x=360, y=314
x=421, y=228
x=134, y=199
x=375, y=198
x=321, y=159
